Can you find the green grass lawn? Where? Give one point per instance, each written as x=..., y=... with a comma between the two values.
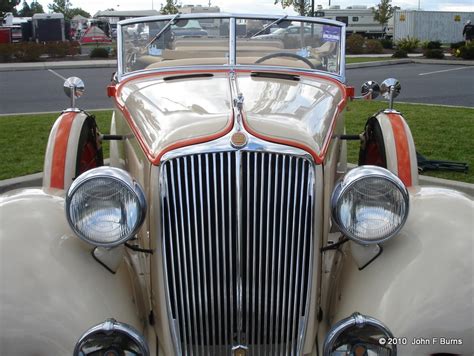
x=442, y=133
x=366, y=59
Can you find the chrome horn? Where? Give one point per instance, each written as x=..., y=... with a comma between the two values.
x=359, y=334
x=74, y=88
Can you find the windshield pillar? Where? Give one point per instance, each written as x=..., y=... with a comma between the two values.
x=232, y=42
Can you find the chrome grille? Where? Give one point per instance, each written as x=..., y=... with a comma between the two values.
x=237, y=245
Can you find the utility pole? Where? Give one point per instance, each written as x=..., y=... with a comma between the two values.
x=419, y=8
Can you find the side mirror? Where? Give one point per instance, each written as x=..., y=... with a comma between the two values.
x=74, y=88
x=370, y=90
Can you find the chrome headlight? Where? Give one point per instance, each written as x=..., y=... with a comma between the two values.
x=111, y=338
x=105, y=206
x=370, y=204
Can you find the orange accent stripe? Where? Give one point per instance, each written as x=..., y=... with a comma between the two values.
x=402, y=148
x=60, y=148
x=154, y=158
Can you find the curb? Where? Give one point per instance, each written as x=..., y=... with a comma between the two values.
x=387, y=62
x=35, y=180
x=7, y=67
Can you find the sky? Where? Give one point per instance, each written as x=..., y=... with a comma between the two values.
x=261, y=6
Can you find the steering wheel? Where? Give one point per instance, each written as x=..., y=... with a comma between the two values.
x=286, y=54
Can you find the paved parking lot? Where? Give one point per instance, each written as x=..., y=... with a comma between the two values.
x=41, y=90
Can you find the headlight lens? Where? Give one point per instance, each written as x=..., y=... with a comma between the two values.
x=370, y=204
x=105, y=206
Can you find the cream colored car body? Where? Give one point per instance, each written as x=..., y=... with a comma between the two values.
x=53, y=289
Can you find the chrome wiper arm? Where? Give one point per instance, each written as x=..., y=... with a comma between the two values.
x=269, y=25
x=168, y=24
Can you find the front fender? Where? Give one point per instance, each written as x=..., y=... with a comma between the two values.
x=421, y=286
x=52, y=290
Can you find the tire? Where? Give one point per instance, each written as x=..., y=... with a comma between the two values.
x=372, y=149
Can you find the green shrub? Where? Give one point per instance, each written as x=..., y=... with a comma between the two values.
x=99, y=52
x=373, y=46
x=435, y=53
x=424, y=44
x=74, y=48
x=28, y=51
x=400, y=53
x=467, y=51
x=57, y=49
x=408, y=44
x=434, y=45
x=355, y=44
x=386, y=43
x=6, y=52
x=456, y=45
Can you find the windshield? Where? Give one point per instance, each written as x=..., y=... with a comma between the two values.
x=190, y=40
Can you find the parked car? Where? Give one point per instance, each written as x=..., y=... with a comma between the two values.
x=227, y=221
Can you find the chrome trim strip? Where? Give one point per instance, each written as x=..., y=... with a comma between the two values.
x=222, y=205
x=239, y=288
x=196, y=248
x=184, y=263
x=194, y=340
x=223, y=145
x=267, y=258
x=272, y=296
x=207, y=330
x=163, y=192
x=219, y=307
x=213, y=312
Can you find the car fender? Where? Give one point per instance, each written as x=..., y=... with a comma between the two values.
x=52, y=290
x=421, y=286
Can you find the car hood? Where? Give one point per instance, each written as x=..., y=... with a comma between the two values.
x=172, y=110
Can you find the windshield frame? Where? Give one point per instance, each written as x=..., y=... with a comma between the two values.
x=231, y=64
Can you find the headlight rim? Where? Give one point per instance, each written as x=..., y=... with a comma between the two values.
x=352, y=177
x=109, y=326
x=118, y=175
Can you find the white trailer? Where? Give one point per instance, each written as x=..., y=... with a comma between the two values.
x=358, y=19
x=430, y=25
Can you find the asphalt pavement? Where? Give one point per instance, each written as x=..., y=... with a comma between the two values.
x=40, y=89
x=423, y=83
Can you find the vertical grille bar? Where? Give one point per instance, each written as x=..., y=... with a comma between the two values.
x=205, y=261
x=237, y=241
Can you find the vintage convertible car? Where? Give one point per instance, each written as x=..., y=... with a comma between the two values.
x=226, y=221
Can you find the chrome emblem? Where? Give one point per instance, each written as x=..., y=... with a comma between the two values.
x=238, y=139
x=239, y=350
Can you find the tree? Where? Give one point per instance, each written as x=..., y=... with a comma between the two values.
x=30, y=10
x=8, y=6
x=383, y=12
x=25, y=10
x=65, y=7
x=303, y=7
x=36, y=8
x=171, y=7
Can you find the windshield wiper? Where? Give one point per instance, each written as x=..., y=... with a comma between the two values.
x=276, y=22
x=168, y=24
